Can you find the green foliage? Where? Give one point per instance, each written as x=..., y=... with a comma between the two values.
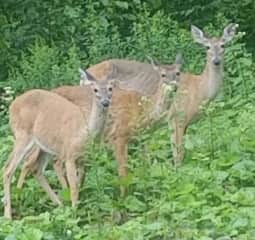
x=211, y=197
x=45, y=67
x=205, y=12
x=66, y=22
x=6, y=96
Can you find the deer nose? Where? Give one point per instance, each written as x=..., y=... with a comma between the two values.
x=216, y=61
x=105, y=102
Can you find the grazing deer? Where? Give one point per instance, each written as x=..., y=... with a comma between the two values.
x=129, y=111
x=133, y=75
x=59, y=128
x=195, y=90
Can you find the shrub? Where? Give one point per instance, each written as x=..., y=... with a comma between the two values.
x=45, y=67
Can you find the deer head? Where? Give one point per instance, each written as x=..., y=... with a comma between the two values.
x=102, y=89
x=169, y=74
x=215, y=46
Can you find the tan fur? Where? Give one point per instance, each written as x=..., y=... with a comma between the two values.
x=133, y=75
x=196, y=90
x=129, y=111
x=56, y=126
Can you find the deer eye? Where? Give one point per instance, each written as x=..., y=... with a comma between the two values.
x=222, y=45
x=178, y=74
x=207, y=47
x=95, y=90
x=110, y=89
x=163, y=75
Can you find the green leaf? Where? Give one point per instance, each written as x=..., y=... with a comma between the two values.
x=11, y=237
x=154, y=226
x=133, y=204
x=228, y=160
x=185, y=189
x=121, y=4
x=240, y=223
x=105, y=2
x=31, y=234
x=65, y=194
x=245, y=196
x=205, y=238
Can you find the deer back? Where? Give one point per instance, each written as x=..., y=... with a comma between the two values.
x=79, y=95
x=55, y=111
x=132, y=75
x=23, y=111
x=126, y=113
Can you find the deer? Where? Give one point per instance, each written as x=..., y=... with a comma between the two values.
x=134, y=75
x=56, y=127
x=195, y=91
x=129, y=111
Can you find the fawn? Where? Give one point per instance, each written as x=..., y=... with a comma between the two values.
x=57, y=127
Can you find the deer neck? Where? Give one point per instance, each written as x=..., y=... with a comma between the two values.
x=212, y=78
x=97, y=118
x=161, y=101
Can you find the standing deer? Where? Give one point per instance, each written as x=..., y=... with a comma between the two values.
x=57, y=127
x=129, y=111
x=195, y=90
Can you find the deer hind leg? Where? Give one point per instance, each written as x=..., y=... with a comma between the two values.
x=81, y=171
x=21, y=148
x=29, y=165
x=73, y=181
x=61, y=174
x=177, y=142
x=60, y=171
x=121, y=154
x=35, y=165
x=81, y=175
x=38, y=174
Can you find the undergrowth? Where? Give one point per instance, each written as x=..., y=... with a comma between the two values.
x=211, y=196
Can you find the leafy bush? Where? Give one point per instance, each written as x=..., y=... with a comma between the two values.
x=45, y=67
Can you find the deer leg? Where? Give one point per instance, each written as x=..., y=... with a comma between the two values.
x=36, y=164
x=81, y=175
x=60, y=171
x=121, y=154
x=177, y=142
x=43, y=181
x=72, y=178
x=28, y=165
x=81, y=171
x=21, y=148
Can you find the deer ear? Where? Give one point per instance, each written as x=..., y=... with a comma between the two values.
x=198, y=35
x=113, y=73
x=229, y=32
x=111, y=77
x=85, y=78
x=153, y=63
x=179, y=59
